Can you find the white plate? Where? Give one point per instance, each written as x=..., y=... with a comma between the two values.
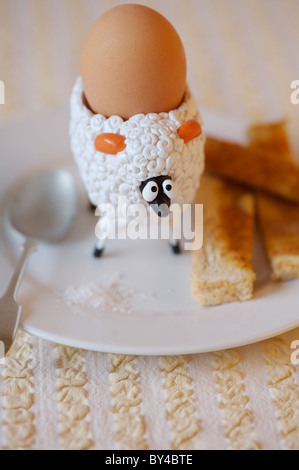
x=151, y=283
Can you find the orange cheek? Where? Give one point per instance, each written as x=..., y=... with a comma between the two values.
x=111, y=144
x=189, y=130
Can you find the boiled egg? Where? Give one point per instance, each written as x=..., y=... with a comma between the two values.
x=133, y=61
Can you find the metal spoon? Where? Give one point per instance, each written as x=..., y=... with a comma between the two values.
x=43, y=209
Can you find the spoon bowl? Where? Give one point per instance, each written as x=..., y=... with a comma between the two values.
x=42, y=209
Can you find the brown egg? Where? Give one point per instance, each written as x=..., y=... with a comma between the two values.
x=133, y=61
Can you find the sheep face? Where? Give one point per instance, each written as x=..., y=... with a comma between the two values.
x=150, y=152
x=159, y=193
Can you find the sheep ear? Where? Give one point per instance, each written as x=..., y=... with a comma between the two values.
x=189, y=130
x=111, y=144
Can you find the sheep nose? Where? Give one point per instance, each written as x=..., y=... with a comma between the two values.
x=162, y=210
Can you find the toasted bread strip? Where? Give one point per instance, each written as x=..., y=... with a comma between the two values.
x=279, y=222
x=271, y=137
x=260, y=169
x=222, y=269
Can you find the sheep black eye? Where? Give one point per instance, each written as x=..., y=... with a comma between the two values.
x=168, y=188
x=150, y=191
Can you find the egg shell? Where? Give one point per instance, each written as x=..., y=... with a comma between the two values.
x=133, y=61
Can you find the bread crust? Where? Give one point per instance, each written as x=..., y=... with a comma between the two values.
x=222, y=269
x=279, y=220
x=258, y=168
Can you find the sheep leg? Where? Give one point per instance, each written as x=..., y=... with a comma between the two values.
x=174, y=244
x=99, y=248
x=92, y=207
x=102, y=235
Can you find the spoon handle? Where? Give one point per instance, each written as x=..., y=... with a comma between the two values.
x=12, y=290
x=10, y=311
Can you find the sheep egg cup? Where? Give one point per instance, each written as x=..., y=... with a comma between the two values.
x=153, y=150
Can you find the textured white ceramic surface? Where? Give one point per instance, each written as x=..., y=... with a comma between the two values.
x=153, y=148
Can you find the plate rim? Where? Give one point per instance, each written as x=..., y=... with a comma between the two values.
x=165, y=350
